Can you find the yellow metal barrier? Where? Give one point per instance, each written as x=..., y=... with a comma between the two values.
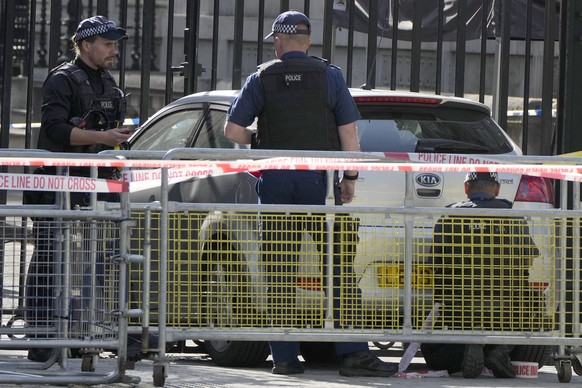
x=229, y=270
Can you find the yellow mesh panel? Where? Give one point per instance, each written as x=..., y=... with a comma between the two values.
x=270, y=271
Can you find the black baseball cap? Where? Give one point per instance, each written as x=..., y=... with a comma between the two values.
x=99, y=25
x=482, y=176
x=287, y=22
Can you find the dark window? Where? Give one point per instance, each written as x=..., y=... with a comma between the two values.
x=211, y=133
x=174, y=130
x=446, y=130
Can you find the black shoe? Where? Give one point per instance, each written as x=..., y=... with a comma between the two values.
x=288, y=368
x=134, y=348
x=40, y=354
x=472, y=361
x=497, y=359
x=365, y=364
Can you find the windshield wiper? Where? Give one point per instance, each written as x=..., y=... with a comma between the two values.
x=449, y=146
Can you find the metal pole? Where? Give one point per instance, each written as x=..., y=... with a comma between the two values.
x=30, y=78
x=55, y=33
x=372, y=46
x=570, y=97
x=8, y=34
x=326, y=50
x=460, y=51
x=415, y=52
x=215, y=35
x=122, y=45
x=169, y=51
x=149, y=7
x=238, y=44
x=502, y=64
x=548, y=78
x=350, y=59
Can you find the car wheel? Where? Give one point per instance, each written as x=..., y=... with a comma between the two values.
x=227, y=302
x=318, y=352
x=238, y=353
x=533, y=353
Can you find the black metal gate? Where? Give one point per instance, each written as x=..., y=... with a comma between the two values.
x=504, y=53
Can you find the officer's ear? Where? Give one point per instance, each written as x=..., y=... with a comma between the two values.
x=84, y=45
x=467, y=188
x=497, y=188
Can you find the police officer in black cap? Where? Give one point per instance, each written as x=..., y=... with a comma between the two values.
x=82, y=108
x=479, y=261
x=82, y=112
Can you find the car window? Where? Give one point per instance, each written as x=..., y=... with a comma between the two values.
x=446, y=131
x=211, y=134
x=174, y=130
x=386, y=136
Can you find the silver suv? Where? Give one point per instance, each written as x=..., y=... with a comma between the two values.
x=411, y=124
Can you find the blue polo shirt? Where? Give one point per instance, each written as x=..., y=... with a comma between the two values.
x=250, y=102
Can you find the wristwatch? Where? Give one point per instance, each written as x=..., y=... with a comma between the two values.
x=351, y=177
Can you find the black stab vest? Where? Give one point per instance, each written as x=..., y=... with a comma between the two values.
x=111, y=103
x=296, y=115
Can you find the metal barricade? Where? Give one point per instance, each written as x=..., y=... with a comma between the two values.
x=228, y=272
x=64, y=280
x=223, y=264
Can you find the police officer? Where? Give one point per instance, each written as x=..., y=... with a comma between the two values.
x=82, y=108
x=82, y=112
x=482, y=261
x=302, y=103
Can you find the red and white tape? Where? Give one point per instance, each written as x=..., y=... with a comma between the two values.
x=37, y=182
x=146, y=179
x=179, y=170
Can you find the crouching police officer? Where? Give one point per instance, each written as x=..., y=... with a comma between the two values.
x=481, y=275
x=82, y=112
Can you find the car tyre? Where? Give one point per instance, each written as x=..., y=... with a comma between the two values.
x=533, y=353
x=228, y=303
x=238, y=353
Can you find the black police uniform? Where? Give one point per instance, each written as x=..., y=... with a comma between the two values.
x=483, y=266
x=72, y=93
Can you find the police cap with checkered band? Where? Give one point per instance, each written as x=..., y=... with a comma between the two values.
x=482, y=176
x=99, y=25
x=287, y=22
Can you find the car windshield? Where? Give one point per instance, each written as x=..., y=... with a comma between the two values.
x=444, y=130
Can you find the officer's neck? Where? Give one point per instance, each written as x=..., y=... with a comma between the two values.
x=87, y=67
x=88, y=63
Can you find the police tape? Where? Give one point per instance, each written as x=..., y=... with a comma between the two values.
x=286, y=163
x=38, y=182
x=148, y=173
x=140, y=180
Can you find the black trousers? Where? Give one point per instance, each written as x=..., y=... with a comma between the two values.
x=43, y=271
x=448, y=356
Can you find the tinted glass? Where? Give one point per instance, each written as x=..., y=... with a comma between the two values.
x=445, y=130
x=174, y=130
x=211, y=134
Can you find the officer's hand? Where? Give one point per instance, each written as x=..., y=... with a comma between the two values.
x=116, y=136
x=347, y=190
